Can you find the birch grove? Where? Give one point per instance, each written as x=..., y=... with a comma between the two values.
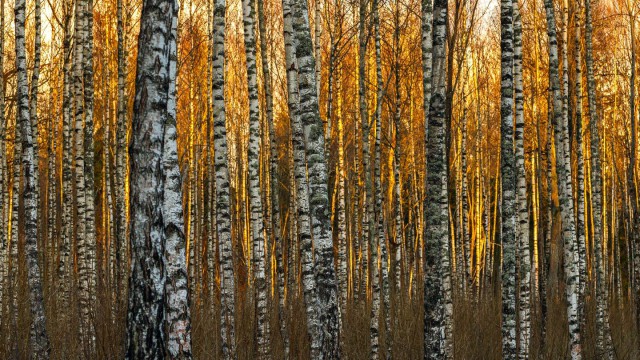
x=284, y=179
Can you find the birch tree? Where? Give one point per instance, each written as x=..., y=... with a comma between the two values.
x=33, y=98
x=438, y=307
x=509, y=183
x=177, y=316
x=255, y=193
x=426, y=45
x=221, y=163
x=3, y=179
x=83, y=243
x=87, y=71
x=603, y=332
x=563, y=169
x=522, y=216
x=145, y=316
x=121, y=154
x=38, y=339
x=302, y=187
x=580, y=225
x=309, y=112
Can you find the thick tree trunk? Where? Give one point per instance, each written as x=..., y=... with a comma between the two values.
x=145, y=317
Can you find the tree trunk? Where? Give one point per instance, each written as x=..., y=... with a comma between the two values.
x=327, y=286
x=38, y=339
x=509, y=183
x=33, y=114
x=563, y=169
x=145, y=317
x=580, y=225
x=83, y=243
x=89, y=163
x=64, y=266
x=522, y=216
x=438, y=306
x=368, y=208
x=223, y=215
x=121, y=159
x=603, y=332
x=4, y=209
x=177, y=316
x=255, y=193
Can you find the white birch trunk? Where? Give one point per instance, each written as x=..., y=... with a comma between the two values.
x=145, y=317
x=522, y=216
x=38, y=338
x=565, y=191
x=327, y=287
x=255, y=193
x=603, y=332
x=177, y=316
x=223, y=213
x=509, y=183
x=438, y=306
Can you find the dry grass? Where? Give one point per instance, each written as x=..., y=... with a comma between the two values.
x=476, y=329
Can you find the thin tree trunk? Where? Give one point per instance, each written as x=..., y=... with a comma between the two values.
x=343, y=269
x=522, y=216
x=377, y=237
x=64, y=266
x=274, y=181
x=257, y=223
x=368, y=206
x=33, y=114
x=177, y=316
x=580, y=225
x=223, y=215
x=89, y=219
x=301, y=184
x=4, y=209
x=563, y=169
x=397, y=156
x=603, y=332
x=38, y=339
x=438, y=306
x=427, y=68
x=509, y=183
x=83, y=243
x=121, y=159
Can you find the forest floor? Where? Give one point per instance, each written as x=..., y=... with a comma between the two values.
x=477, y=333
